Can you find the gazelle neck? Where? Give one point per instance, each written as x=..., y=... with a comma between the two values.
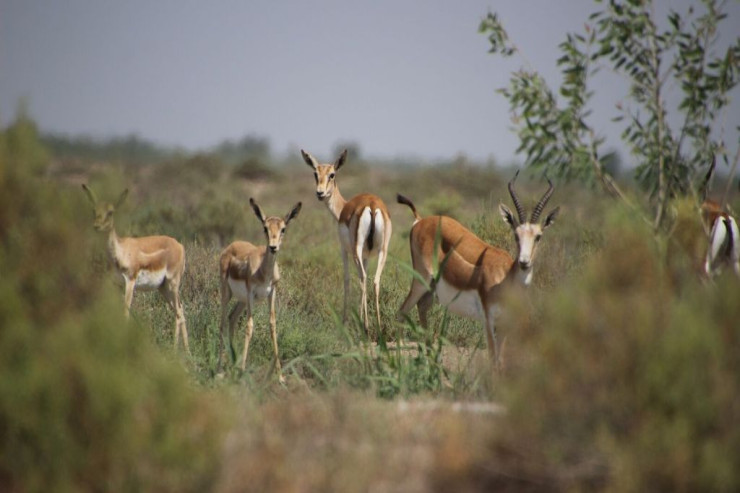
x=519, y=276
x=336, y=202
x=267, y=267
x=113, y=243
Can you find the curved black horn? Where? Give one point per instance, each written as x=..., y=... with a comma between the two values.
x=542, y=203
x=517, y=204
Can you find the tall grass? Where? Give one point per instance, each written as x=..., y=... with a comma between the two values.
x=621, y=365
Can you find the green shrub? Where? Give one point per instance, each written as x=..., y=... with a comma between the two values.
x=86, y=401
x=619, y=380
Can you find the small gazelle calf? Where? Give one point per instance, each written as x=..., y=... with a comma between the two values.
x=724, y=239
x=250, y=273
x=147, y=263
x=473, y=272
x=364, y=229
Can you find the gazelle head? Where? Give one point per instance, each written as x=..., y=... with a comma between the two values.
x=324, y=173
x=527, y=233
x=103, y=211
x=274, y=226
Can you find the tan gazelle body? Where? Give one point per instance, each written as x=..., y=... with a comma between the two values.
x=473, y=273
x=250, y=273
x=364, y=229
x=146, y=263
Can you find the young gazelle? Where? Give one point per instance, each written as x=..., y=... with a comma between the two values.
x=473, y=272
x=364, y=229
x=148, y=263
x=724, y=239
x=250, y=273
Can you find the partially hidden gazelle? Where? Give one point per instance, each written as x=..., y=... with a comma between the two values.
x=147, y=263
x=250, y=273
x=724, y=239
x=364, y=229
x=473, y=273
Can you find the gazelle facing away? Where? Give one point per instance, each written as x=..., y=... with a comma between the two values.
x=724, y=239
x=364, y=229
x=473, y=272
x=148, y=262
x=250, y=273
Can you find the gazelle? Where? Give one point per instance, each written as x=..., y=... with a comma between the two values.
x=724, y=239
x=473, y=272
x=364, y=229
x=147, y=263
x=250, y=273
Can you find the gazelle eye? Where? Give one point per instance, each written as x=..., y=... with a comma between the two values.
x=331, y=176
x=316, y=176
x=538, y=238
x=266, y=230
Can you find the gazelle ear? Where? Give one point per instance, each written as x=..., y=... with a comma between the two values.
x=121, y=199
x=257, y=210
x=310, y=160
x=340, y=160
x=550, y=219
x=507, y=215
x=293, y=213
x=90, y=194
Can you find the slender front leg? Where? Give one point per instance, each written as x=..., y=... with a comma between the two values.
x=273, y=332
x=129, y=295
x=248, y=335
x=491, y=336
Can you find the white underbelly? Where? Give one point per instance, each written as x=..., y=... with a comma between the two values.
x=463, y=303
x=239, y=290
x=150, y=279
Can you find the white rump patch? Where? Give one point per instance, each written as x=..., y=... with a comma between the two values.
x=463, y=303
x=150, y=279
x=379, y=230
x=363, y=230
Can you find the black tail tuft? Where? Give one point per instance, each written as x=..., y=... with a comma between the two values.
x=371, y=233
x=405, y=201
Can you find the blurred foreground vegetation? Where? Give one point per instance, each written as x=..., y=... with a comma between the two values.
x=622, y=365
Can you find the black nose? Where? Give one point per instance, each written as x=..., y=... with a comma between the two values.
x=524, y=265
x=273, y=249
x=320, y=195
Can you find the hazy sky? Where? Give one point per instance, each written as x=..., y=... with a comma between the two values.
x=398, y=77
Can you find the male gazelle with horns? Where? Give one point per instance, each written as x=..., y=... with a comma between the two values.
x=148, y=263
x=364, y=229
x=250, y=273
x=473, y=272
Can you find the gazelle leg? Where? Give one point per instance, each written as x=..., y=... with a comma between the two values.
x=273, y=332
x=225, y=298
x=423, y=305
x=382, y=256
x=345, y=264
x=248, y=334
x=180, y=320
x=417, y=291
x=360, y=264
x=128, y=297
x=236, y=312
x=491, y=336
x=172, y=296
